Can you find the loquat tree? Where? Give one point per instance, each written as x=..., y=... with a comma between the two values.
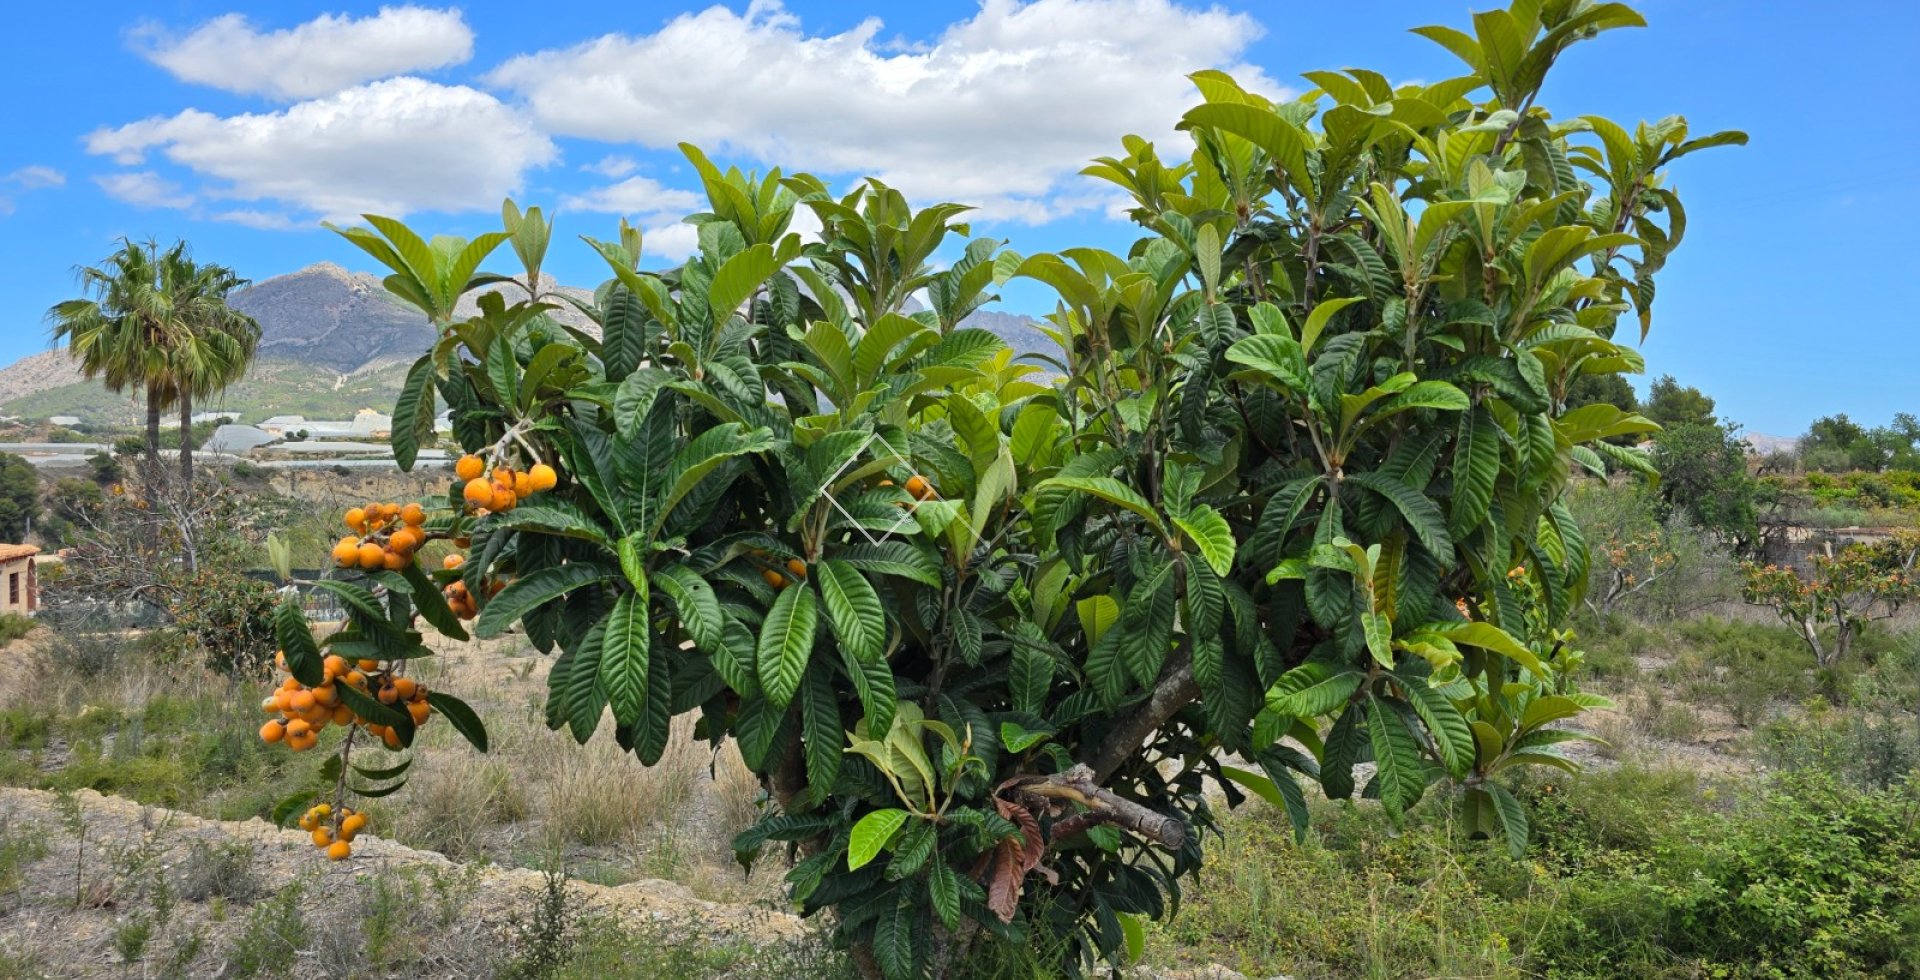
x=1289, y=502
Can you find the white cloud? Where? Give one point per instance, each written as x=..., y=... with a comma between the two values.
x=672, y=242
x=34, y=177
x=635, y=195
x=144, y=189
x=393, y=147
x=263, y=220
x=612, y=167
x=319, y=57
x=1000, y=110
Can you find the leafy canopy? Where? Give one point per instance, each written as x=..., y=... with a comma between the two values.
x=1292, y=494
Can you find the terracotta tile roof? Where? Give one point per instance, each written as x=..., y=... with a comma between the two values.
x=14, y=552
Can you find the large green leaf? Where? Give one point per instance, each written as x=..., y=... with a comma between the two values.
x=786, y=643
x=1273, y=356
x=1396, y=757
x=554, y=516
x=1476, y=468
x=1110, y=490
x=1422, y=515
x=1513, y=818
x=738, y=278
x=701, y=456
x=895, y=558
x=1211, y=534
x=1445, y=725
x=295, y=637
x=1313, y=689
x=1317, y=320
x=1266, y=129
x=695, y=603
x=870, y=835
x=413, y=413
x=624, y=658
x=528, y=592
x=853, y=609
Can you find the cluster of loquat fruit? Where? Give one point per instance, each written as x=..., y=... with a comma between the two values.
x=334, y=832
x=504, y=488
x=459, y=599
x=305, y=711
x=385, y=536
x=796, y=572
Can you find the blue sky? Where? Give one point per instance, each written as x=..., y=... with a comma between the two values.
x=240, y=125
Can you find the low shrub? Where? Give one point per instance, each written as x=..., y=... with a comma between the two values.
x=13, y=626
x=1633, y=872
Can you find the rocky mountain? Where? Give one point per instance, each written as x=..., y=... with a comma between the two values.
x=332, y=341
x=329, y=317
x=36, y=373
x=1763, y=443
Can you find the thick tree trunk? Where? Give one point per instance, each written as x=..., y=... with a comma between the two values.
x=186, y=443
x=153, y=439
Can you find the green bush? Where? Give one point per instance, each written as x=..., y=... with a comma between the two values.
x=1803, y=878
x=1634, y=873
x=13, y=626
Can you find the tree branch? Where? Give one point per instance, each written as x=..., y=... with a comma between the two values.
x=1174, y=691
x=1078, y=786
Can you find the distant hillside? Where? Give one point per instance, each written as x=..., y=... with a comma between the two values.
x=38, y=372
x=325, y=316
x=1763, y=443
x=329, y=317
x=332, y=341
x=275, y=386
x=1022, y=333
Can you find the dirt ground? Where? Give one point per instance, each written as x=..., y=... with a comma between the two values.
x=67, y=907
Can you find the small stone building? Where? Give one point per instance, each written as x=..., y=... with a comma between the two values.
x=19, y=585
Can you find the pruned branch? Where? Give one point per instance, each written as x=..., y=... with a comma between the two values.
x=1077, y=787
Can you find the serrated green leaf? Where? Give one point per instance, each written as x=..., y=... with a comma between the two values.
x=524, y=594
x=786, y=644
x=853, y=609
x=871, y=834
x=624, y=658
x=1211, y=533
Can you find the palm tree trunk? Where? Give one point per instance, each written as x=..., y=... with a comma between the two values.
x=153, y=438
x=186, y=441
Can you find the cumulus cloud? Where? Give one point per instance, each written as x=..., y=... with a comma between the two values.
x=144, y=189
x=392, y=147
x=612, y=166
x=320, y=57
x=1000, y=110
x=635, y=195
x=671, y=241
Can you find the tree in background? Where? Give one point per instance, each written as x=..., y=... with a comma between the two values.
x=1704, y=478
x=1844, y=591
x=1672, y=405
x=1609, y=389
x=216, y=343
x=19, y=497
x=156, y=323
x=1837, y=444
x=1647, y=559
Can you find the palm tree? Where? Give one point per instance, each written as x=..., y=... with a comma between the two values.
x=215, y=345
x=123, y=331
x=157, y=323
